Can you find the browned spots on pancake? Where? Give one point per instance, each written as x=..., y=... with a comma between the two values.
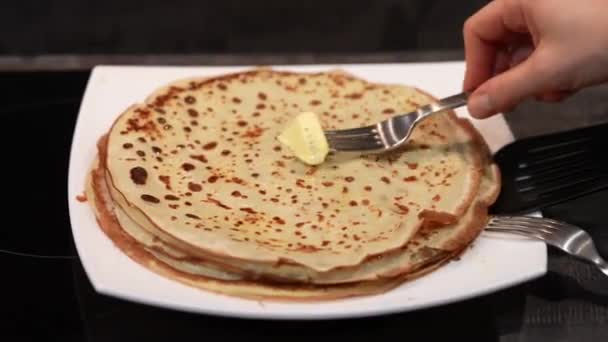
x=192, y=112
x=127, y=146
x=315, y=102
x=436, y=198
x=194, y=187
x=344, y=190
x=212, y=179
x=238, y=180
x=278, y=220
x=157, y=149
x=190, y=99
x=254, y=132
x=236, y=100
x=412, y=166
x=260, y=106
x=216, y=202
x=237, y=194
x=410, y=179
x=141, y=153
x=222, y=86
x=199, y=157
x=353, y=96
x=349, y=179
x=171, y=197
x=149, y=198
x=262, y=96
x=139, y=175
x=353, y=203
x=248, y=210
x=187, y=167
x=134, y=125
x=327, y=184
x=367, y=188
x=388, y=111
x=385, y=179
x=241, y=123
x=165, y=180
x=210, y=145
x=402, y=208
x=143, y=113
x=307, y=248
x=192, y=216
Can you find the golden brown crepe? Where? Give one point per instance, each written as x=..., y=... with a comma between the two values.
x=194, y=181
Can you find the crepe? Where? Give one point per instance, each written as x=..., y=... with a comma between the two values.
x=218, y=183
x=441, y=245
x=194, y=185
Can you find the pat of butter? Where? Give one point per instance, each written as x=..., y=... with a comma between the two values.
x=305, y=139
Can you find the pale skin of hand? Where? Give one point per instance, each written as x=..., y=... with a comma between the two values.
x=544, y=49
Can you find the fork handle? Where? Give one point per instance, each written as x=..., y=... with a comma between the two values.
x=602, y=265
x=449, y=102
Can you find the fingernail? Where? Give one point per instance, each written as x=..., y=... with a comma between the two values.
x=480, y=105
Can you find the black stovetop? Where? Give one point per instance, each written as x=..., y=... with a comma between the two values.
x=47, y=296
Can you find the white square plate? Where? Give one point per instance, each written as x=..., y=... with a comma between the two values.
x=491, y=264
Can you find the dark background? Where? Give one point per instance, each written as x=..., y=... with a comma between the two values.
x=32, y=28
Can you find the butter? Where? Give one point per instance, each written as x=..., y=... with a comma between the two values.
x=305, y=139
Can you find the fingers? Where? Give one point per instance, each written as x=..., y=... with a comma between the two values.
x=496, y=24
x=554, y=96
x=506, y=90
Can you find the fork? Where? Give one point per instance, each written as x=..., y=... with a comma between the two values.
x=391, y=133
x=564, y=236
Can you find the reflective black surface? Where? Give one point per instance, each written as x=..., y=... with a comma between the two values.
x=52, y=299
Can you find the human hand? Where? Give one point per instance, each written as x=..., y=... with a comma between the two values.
x=547, y=49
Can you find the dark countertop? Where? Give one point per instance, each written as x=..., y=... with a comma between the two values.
x=45, y=298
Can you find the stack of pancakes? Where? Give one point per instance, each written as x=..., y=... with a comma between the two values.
x=194, y=185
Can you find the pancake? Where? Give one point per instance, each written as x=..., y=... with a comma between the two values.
x=193, y=185
x=218, y=186
x=424, y=245
x=167, y=267
x=213, y=279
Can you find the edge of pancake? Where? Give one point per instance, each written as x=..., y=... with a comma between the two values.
x=482, y=206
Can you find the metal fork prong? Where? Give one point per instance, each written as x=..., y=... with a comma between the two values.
x=523, y=219
x=528, y=228
x=515, y=223
x=393, y=132
x=532, y=228
x=345, y=138
x=352, y=131
x=355, y=144
x=531, y=222
x=522, y=232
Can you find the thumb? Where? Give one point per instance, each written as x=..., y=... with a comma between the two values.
x=506, y=90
